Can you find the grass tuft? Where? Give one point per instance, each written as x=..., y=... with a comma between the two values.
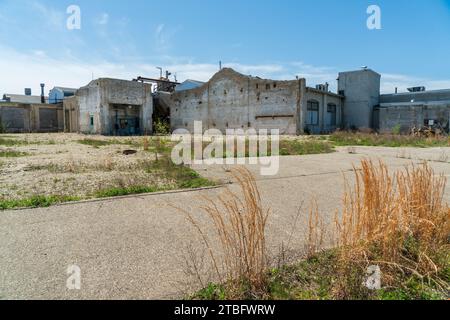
x=240, y=226
x=35, y=202
x=12, y=154
x=124, y=191
x=95, y=143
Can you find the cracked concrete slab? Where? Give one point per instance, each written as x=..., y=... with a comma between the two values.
x=135, y=247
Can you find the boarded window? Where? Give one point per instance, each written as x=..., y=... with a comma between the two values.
x=13, y=118
x=48, y=119
x=312, y=114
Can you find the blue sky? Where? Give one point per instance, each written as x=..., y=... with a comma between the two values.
x=276, y=39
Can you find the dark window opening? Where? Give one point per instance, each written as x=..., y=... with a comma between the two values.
x=331, y=114
x=312, y=114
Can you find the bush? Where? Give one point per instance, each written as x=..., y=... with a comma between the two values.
x=397, y=129
x=161, y=127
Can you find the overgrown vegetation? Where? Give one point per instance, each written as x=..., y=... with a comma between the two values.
x=287, y=147
x=296, y=147
x=35, y=202
x=240, y=226
x=397, y=224
x=8, y=142
x=161, y=127
x=183, y=177
x=123, y=191
x=174, y=177
x=344, y=138
x=177, y=177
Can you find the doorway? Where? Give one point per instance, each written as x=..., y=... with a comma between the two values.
x=126, y=120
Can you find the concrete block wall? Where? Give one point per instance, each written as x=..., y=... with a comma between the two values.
x=25, y=118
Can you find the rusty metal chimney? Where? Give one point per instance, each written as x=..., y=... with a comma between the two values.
x=42, y=93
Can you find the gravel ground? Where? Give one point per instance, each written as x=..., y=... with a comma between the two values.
x=57, y=164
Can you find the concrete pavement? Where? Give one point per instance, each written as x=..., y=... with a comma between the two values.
x=136, y=247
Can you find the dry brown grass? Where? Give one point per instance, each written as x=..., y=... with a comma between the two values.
x=316, y=231
x=146, y=144
x=239, y=222
x=399, y=221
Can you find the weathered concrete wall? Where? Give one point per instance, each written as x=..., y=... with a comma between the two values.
x=414, y=109
x=231, y=100
x=410, y=116
x=71, y=114
x=96, y=106
x=362, y=93
x=15, y=118
x=423, y=96
x=22, y=118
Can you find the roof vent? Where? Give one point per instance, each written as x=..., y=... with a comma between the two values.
x=322, y=87
x=417, y=89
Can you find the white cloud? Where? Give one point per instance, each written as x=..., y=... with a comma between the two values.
x=391, y=81
x=40, y=53
x=103, y=19
x=22, y=70
x=268, y=69
x=163, y=38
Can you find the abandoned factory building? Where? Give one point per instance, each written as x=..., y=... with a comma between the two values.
x=110, y=107
x=229, y=100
